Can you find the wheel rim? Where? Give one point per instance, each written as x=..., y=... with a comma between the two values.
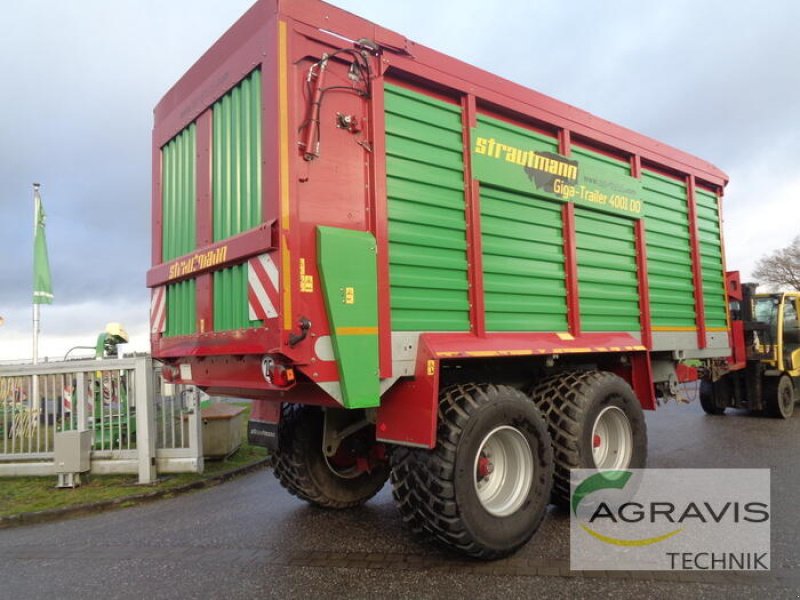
x=344, y=463
x=503, y=471
x=343, y=471
x=787, y=399
x=612, y=440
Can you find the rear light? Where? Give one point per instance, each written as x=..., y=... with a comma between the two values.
x=277, y=374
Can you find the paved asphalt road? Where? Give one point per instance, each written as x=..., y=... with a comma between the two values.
x=249, y=539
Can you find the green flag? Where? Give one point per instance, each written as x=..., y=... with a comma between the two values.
x=42, y=287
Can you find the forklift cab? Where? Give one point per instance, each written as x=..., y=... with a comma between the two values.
x=781, y=339
x=791, y=332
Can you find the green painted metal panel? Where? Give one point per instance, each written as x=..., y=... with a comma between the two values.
x=514, y=158
x=607, y=273
x=669, y=258
x=708, y=224
x=523, y=262
x=427, y=224
x=349, y=276
x=236, y=186
x=179, y=198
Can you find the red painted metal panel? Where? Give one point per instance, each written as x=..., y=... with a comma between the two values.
x=408, y=411
x=733, y=285
x=636, y=166
x=157, y=234
x=247, y=341
x=571, y=269
x=156, y=207
x=644, y=286
x=686, y=374
x=638, y=373
x=697, y=273
x=205, y=233
x=214, y=256
x=266, y=411
x=472, y=198
x=493, y=345
x=378, y=224
x=738, y=358
x=642, y=380
x=564, y=142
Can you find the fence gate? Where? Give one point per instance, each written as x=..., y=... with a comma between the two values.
x=133, y=427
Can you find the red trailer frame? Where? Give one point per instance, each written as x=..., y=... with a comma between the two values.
x=283, y=37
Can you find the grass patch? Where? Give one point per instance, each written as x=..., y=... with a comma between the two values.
x=32, y=494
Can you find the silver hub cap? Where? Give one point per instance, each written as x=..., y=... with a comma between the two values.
x=503, y=471
x=612, y=440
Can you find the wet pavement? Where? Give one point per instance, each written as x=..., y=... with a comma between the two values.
x=248, y=538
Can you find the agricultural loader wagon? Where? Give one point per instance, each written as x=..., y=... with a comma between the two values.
x=423, y=272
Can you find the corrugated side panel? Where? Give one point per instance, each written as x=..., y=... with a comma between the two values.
x=708, y=225
x=236, y=185
x=607, y=283
x=523, y=256
x=608, y=286
x=427, y=226
x=178, y=197
x=669, y=258
x=523, y=262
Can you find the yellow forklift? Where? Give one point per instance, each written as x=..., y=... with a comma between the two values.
x=763, y=373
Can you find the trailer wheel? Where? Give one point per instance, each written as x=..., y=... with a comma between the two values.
x=779, y=397
x=595, y=422
x=483, y=490
x=708, y=399
x=302, y=468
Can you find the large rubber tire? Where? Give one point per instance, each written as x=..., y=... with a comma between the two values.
x=302, y=469
x=437, y=491
x=779, y=397
x=572, y=403
x=707, y=399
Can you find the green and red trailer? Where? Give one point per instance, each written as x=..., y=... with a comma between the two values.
x=418, y=270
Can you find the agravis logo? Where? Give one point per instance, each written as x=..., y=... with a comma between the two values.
x=603, y=481
x=670, y=519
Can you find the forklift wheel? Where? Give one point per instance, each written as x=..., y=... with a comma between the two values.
x=779, y=397
x=708, y=400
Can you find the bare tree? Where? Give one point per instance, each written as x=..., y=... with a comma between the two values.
x=781, y=268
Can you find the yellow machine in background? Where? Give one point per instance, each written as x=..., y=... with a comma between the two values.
x=765, y=372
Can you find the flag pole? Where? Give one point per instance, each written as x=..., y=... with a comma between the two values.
x=36, y=305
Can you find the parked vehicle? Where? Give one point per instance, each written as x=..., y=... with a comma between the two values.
x=423, y=272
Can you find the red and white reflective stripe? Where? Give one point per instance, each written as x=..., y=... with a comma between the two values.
x=262, y=287
x=158, y=310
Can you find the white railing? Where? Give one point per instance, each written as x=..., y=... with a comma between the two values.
x=133, y=429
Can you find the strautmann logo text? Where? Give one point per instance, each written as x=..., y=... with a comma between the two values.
x=707, y=519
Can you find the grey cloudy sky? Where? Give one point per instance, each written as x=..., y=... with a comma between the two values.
x=79, y=81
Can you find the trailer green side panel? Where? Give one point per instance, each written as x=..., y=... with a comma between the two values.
x=608, y=286
x=710, y=235
x=523, y=262
x=669, y=257
x=236, y=185
x=179, y=198
x=607, y=276
x=427, y=223
x=523, y=248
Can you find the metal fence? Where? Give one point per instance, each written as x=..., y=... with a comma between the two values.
x=133, y=427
